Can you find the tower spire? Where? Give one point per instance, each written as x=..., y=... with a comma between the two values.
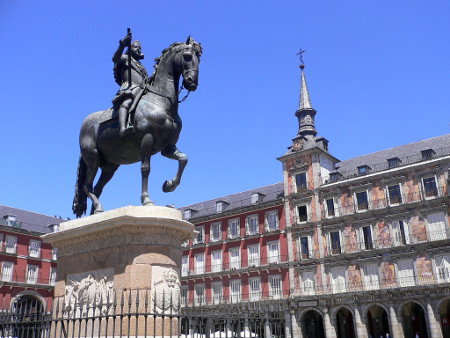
x=305, y=112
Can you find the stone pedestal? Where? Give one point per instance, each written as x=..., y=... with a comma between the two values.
x=128, y=254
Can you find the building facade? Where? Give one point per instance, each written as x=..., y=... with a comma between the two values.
x=28, y=266
x=363, y=244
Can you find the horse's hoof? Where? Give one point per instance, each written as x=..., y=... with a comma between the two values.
x=98, y=211
x=147, y=201
x=168, y=186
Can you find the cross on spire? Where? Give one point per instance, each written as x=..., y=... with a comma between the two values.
x=300, y=54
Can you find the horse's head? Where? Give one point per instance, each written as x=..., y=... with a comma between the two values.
x=188, y=59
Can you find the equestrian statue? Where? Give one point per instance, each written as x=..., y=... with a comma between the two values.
x=143, y=120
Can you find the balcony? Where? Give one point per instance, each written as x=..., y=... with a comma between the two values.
x=22, y=279
x=211, y=299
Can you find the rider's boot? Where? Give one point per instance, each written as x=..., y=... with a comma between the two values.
x=124, y=130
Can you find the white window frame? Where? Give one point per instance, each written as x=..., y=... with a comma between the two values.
x=442, y=232
x=436, y=182
x=53, y=275
x=188, y=214
x=308, y=254
x=275, y=286
x=199, y=268
x=271, y=258
x=34, y=249
x=308, y=284
x=330, y=246
x=11, y=240
x=308, y=213
x=32, y=274
x=362, y=240
x=338, y=286
x=7, y=271
x=217, y=292
x=371, y=281
x=254, y=288
x=442, y=265
x=395, y=228
x=184, y=293
x=297, y=190
x=184, y=266
x=235, y=222
x=199, y=297
x=235, y=290
x=253, y=261
x=200, y=236
x=369, y=199
x=1, y=242
x=248, y=220
x=54, y=254
x=267, y=224
x=409, y=278
x=402, y=193
x=220, y=206
x=212, y=237
x=235, y=264
x=216, y=265
x=335, y=206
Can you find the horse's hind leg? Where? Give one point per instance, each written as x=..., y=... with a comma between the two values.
x=173, y=153
x=108, y=171
x=146, y=152
x=88, y=188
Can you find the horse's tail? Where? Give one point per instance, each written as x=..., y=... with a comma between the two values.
x=80, y=200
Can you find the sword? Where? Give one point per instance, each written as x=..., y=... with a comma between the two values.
x=129, y=60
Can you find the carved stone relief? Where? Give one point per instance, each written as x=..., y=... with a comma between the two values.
x=166, y=289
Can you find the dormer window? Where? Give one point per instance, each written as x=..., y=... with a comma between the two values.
x=54, y=227
x=220, y=206
x=362, y=170
x=187, y=214
x=10, y=220
x=334, y=177
x=393, y=162
x=300, y=181
x=427, y=154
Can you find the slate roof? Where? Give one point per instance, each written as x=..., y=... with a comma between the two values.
x=408, y=154
x=242, y=199
x=28, y=220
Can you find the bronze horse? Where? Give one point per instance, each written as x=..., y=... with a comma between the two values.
x=157, y=127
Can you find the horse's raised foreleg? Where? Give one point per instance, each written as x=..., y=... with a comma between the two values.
x=146, y=152
x=108, y=171
x=173, y=153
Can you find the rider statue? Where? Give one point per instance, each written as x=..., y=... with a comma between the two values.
x=131, y=88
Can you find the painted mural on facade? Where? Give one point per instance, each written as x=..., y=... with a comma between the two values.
x=316, y=246
x=424, y=268
x=418, y=229
x=388, y=274
x=350, y=239
x=378, y=196
x=346, y=202
x=383, y=234
x=411, y=188
x=319, y=281
x=354, y=277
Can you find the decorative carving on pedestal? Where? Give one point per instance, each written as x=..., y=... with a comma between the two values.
x=89, y=290
x=166, y=289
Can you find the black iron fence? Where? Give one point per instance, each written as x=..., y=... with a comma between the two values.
x=140, y=314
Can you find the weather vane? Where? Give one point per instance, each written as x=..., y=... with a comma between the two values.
x=300, y=53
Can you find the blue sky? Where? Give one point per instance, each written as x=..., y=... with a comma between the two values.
x=377, y=72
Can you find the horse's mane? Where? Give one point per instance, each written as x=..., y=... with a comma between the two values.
x=196, y=46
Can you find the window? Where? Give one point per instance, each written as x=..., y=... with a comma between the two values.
x=305, y=247
x=1, y=242
x=334, y=177
x=185, y=244
x=184, y=295
x=427, y=154
x=235, y=258
x=338, y=280
x=200, y=235
x=399, y=231
x=233, y=228
x=235, y=290
x=184, y=266
x=10, y=220
x=10, y=244
x=7, y=271
x=335, y=241
x=430, y=187
x=252, y=225
x=395, y=194
x=219, y=207
x=436, y=226
x=302, y=213
x=308, y=282
x=254, y=288
x=217, y=292
x=405, y=272
x=35, y=248
x=300, y=181
x=187, y=214
x=367, y=238
x=275, y=286
x=272, y=221
x=443, y=268
x=216, y=261
x=362, y=202
x=371, y=280
x=330, y=207
x=52, y=279
x=255, y=198
x=216, y=232
x=200, y=263
x=32, y=274
x=273, y=252
x=199, y=294
x=362, y=170
x=253, y=255
x=393, y=162
x=55, y=253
